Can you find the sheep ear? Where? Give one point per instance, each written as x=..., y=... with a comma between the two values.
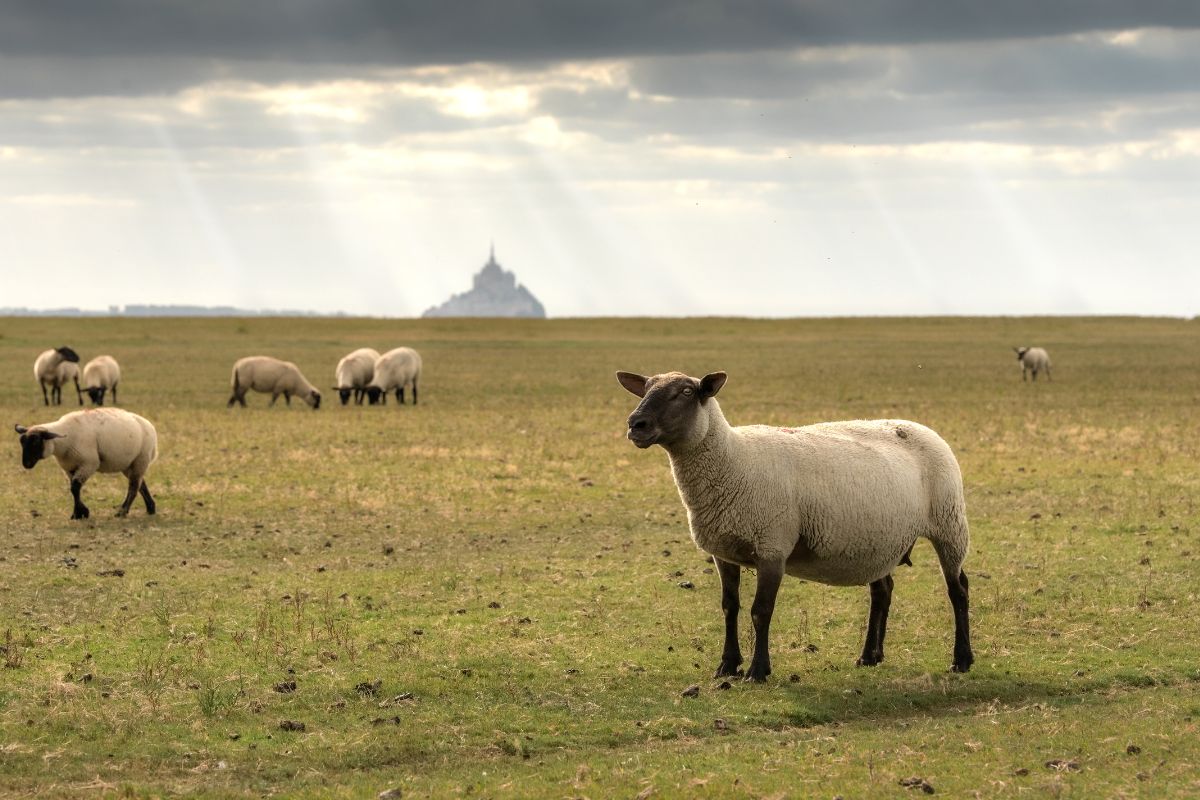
x=52, y=435
x=711, y=383
x=634, y=383
x=20, y=428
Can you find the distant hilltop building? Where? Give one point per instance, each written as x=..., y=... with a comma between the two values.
x=496, y=293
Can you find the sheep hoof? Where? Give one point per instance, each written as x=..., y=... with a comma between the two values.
x=963, y=666
x=121, y=512
x=728, y=670
x=81, y=513
x=756, y=675
x=869, y=660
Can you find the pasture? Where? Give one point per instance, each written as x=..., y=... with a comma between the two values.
x=484, y=595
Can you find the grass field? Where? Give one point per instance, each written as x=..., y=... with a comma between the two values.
x=480, y=596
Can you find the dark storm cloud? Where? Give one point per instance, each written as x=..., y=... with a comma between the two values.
x=203, y=39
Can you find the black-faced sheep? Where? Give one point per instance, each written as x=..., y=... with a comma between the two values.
x=97, y=440
x=395, y=369
x=353, y=374
x=272, y=376
x=46, y=372
x=1033, y=359
x=99, y=375
x=840, y=503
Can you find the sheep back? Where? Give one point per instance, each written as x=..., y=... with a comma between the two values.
x=102, y=372
x=397, y=368
x=1035, y=358
x=356, y=370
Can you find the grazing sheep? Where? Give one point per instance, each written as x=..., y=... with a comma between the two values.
x=45, y=371
x=1033, y=359
x=266, y=374
x=395, y=369
x=353, y=374
x=99, y=375
x=840, y=503
x=96, y=440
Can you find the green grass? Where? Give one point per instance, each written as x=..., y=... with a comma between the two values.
x=504, y=567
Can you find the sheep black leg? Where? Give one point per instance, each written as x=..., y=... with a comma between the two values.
x=80, y=511
x=78, y=392
x=769, y=577
x=959, y=599
x=114, y=394
x=134, y=484
x=414, y=393
x=45, y=397
x=150, y=507
x=881, y=601
x=400, y=395
x=731, y=654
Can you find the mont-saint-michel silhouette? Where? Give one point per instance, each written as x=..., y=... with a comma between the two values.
x=495, y=293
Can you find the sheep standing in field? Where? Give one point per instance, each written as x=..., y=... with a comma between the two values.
x=840, y=503
x=46, y=372
x=97, y=440
x=99, y=375
x=1033, y=359
x=266, y=374
x=353, y=374
x=395, y=369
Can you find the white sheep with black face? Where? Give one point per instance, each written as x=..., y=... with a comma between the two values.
x=48, y=370
x=1034, y=360
x=353, y=374
x=395, y=370
x=99, y=376
x=271, y=376
x=840, y=503
x=97, y=440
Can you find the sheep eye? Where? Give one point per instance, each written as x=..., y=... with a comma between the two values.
x=688, y=391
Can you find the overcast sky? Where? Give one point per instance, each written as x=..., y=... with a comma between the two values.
x=627, y=157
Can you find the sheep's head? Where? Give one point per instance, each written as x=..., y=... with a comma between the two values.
x=344, y=394
x=374, y=395
x=314, y=399
x=670, y=411
x=33, y=444
x=97, y=394
x=67, y=354
x=1020, y=351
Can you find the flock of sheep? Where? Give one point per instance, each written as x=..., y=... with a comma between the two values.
x=840, y=503
x=114, y=440
x=363, y=373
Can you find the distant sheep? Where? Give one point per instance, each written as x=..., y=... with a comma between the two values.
x=353, y=374
x=1033, y=359
x=395, y=369
x=840, y=503
x=97, y=440
x=270, y=375
x=99, y=375
x=46, y=373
